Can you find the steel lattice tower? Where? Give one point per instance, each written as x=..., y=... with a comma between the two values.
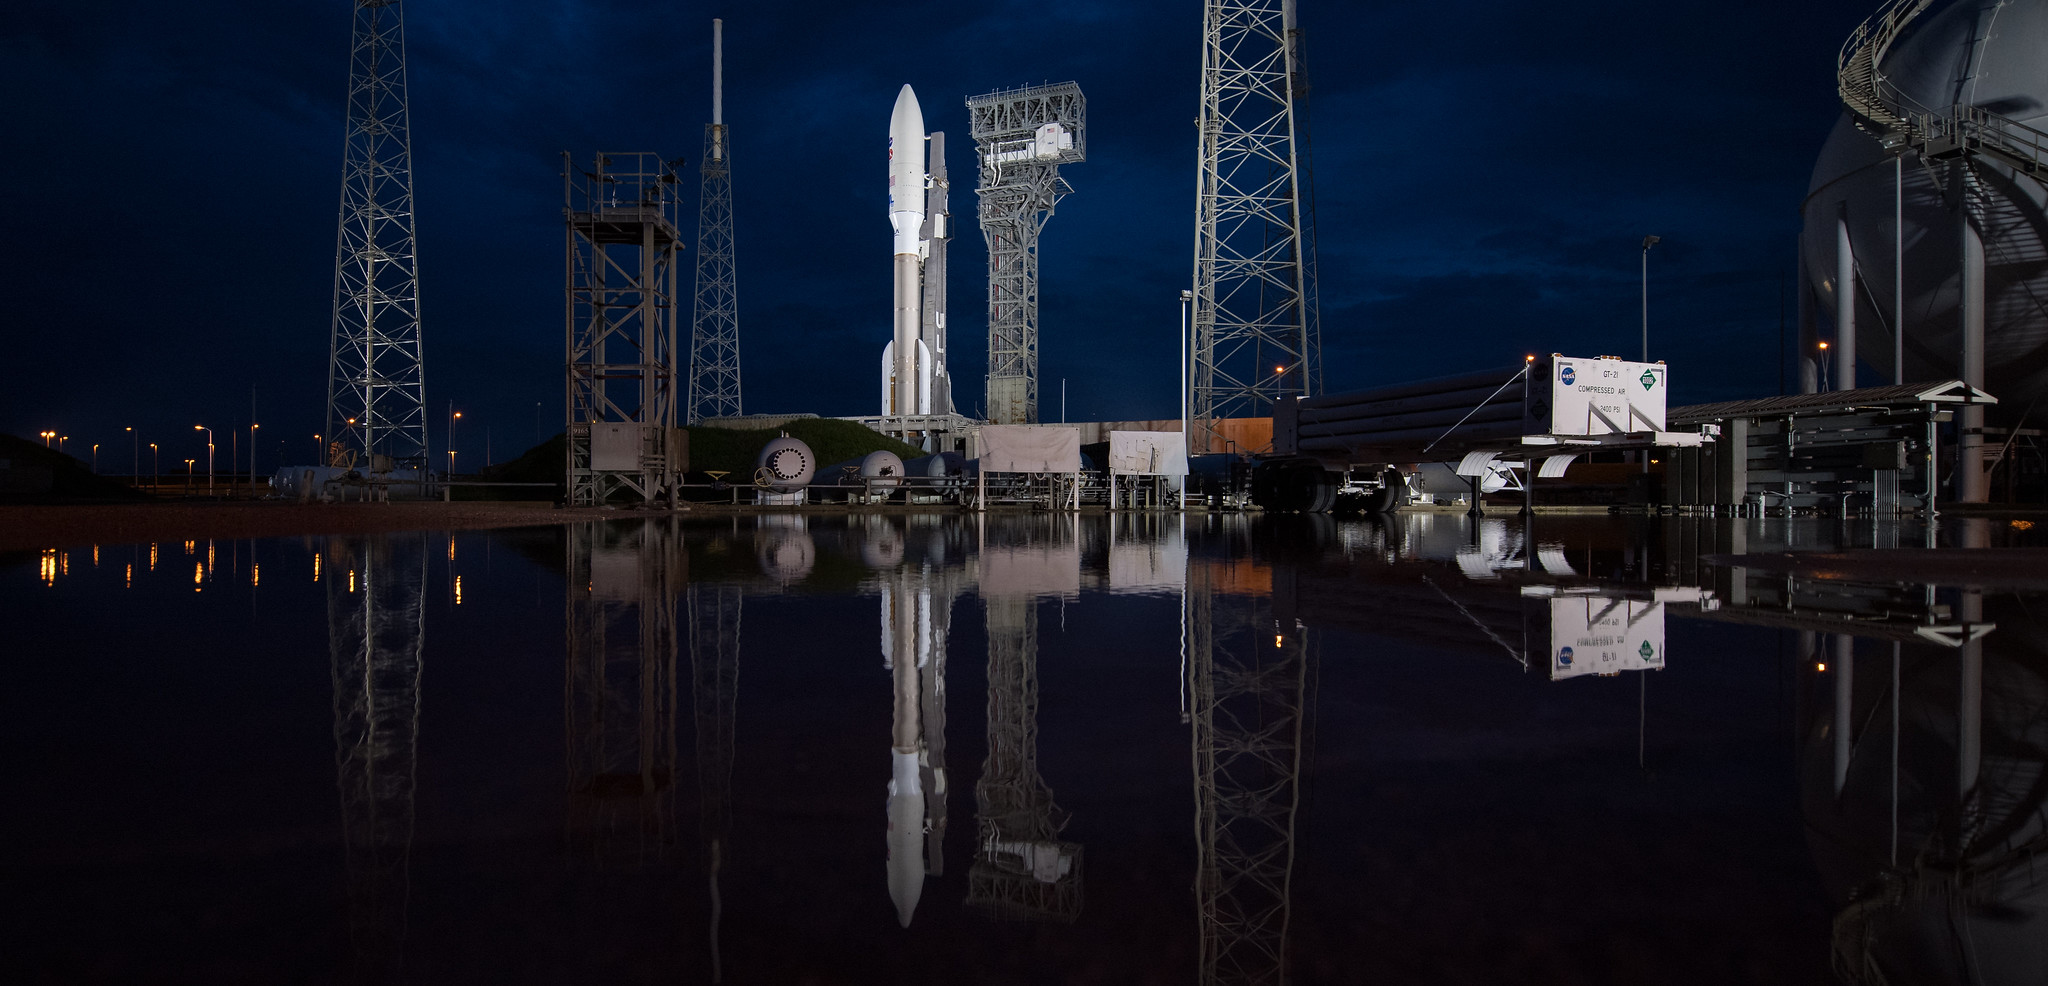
x=376, y=383
x=376, y=630
x=715, y=325
x=1254, y=328
x=1022, y=136
x=621, y=328
x=1249, y=678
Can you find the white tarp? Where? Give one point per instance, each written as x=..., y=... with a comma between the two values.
x=1030, y=448
x=1147, y=453
x=1046, y=570
x=1140, y=564
x=1605, y=396
x=1603, y=635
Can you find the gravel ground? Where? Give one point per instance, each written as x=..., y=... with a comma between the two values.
x=30, y=528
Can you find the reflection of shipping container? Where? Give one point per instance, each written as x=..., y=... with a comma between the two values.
x=1603, y=635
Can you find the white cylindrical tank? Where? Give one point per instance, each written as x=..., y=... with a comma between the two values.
x=1977, y=53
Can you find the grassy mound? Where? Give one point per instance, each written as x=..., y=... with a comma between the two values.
x=34, y=474
x=830, y=439
x=711, y=450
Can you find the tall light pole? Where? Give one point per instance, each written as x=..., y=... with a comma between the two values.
x=1186, y=298
x=209, y=458
x=95, y=458
x=137, y=467
x=46, y=436
x=1648, y=242
x=156, y=467
x=188, y=476
x=252, y=457
x=319, y=451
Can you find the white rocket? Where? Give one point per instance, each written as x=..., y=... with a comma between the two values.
x=907, y=358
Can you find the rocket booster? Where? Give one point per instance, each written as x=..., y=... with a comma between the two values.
x=906, y=214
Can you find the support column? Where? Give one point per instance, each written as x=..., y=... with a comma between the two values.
x=1971, y=483
x=1845, y=306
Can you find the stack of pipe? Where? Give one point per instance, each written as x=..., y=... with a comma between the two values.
x=1413, y=415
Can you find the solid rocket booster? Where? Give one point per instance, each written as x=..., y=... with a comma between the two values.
x=906, y=214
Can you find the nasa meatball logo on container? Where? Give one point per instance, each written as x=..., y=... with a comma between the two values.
x=1566, y=374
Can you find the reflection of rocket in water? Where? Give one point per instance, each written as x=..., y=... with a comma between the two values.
x=911, y=650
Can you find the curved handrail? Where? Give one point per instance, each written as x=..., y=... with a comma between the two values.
x=1881, y=109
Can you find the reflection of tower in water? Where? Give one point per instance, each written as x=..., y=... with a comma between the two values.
x=375, y=629
x=1022, y=871
x=714, y=614
x=1249, y=673
x=620, y=688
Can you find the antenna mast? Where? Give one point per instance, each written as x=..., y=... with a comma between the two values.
x=715, y=326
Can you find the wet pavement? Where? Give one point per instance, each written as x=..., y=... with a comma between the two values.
x=1035, y=748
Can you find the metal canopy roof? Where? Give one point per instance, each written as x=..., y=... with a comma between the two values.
x=1899, y=397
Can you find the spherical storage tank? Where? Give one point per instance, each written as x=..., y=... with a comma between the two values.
x=1954, y=54
x=784, y=465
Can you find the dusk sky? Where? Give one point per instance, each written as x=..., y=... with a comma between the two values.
x=1484, y=174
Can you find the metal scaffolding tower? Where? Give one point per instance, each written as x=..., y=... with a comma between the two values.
x=376, y=385
x=622, y=376
x=620, y=688
x=1022, y=871
x=714, y=615
x=1249, y=676
x=1022, y=137
x=1255, y=335
x=715, y=323
x=376, y=628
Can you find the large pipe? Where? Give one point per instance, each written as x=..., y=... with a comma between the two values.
x=1972, y=486
x=1467, y=381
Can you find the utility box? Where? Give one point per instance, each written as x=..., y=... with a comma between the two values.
x=615, y=446
x=1605, y=396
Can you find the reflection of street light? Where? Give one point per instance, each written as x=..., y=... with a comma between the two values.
x=209, y=456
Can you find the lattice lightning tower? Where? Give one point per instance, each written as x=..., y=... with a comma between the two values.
x=1022, y=137
x=376, y=385
x=1255, y=334
x=715, y=326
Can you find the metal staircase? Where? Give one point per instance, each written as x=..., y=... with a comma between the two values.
x=1881, y=110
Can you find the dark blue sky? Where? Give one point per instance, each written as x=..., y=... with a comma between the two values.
x=1484, y=175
